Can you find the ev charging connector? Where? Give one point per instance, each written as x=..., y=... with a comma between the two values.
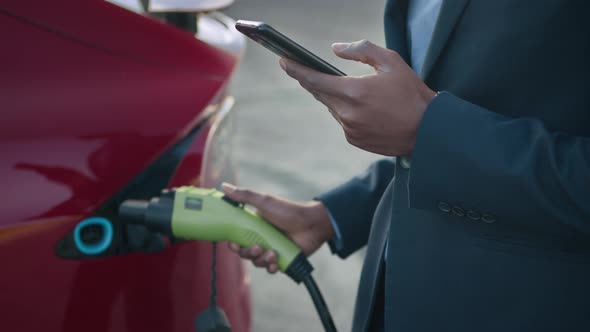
x=194, y=213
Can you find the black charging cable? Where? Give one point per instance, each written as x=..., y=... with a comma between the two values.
x=213, y=319
x=320, y=304
x=213, y=300
x=300, y=271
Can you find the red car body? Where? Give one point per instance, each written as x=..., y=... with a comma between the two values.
x=99, y=104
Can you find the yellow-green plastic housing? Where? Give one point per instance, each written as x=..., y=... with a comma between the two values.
x=202, y=214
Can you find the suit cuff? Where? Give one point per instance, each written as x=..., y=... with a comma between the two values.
x=449, y=155
x=352, y=205
x=336, y=242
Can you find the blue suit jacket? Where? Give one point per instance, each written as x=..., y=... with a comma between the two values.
x=489, y=229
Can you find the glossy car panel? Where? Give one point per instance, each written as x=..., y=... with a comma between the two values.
x=92, y=95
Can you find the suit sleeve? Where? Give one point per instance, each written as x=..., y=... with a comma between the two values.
x=351, y=206
x=513, y=171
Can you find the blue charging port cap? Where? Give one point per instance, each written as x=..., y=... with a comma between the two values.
x=100, y=245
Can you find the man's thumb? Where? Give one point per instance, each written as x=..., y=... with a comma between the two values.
x=242, y=195
x=364, y=51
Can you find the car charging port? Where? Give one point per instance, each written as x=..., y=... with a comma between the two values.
x=93, y=236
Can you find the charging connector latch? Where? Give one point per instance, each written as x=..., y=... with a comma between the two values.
x=232, y=202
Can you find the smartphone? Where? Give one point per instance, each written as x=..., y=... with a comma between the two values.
x=278, y=43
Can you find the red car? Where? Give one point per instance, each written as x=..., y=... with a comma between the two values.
x=100, y=104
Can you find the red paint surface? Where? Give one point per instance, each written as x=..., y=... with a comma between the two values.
x=90, y=94
x=188, y=171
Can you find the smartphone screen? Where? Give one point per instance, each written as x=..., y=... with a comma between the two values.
x=278, y=43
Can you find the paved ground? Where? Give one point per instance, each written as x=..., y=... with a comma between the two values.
x=290, y=146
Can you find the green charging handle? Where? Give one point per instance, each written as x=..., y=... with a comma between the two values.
x=202, y=214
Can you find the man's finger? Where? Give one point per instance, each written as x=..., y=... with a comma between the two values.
x=270, y=257
x=234, y=246
x=265, y=259
x=272, y=268
x=252, y=252
x=312, y=79
x=259, y=262
x=382, y=59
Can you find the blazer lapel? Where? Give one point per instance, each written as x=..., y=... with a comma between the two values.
x=450, y=13
x=396, y=27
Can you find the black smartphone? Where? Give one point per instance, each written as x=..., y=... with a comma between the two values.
x=278, y=43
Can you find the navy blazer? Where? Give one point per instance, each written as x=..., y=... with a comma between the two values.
x=489, y=227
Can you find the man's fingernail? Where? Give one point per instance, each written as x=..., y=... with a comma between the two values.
x=338, y=47
x=283, y=63
x=270, y=258
x=273, y=268
x=227, y=187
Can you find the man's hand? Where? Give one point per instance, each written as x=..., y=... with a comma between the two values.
x=306, y=224
x=379, y=113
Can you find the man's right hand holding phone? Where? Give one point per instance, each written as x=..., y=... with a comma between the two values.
x=379, y=113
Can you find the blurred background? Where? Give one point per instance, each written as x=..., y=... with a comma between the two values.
x=289, y=145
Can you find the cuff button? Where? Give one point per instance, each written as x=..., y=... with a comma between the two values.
x=459, y=212
x=444, y=207
x=473, y=215
x=488, y=218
